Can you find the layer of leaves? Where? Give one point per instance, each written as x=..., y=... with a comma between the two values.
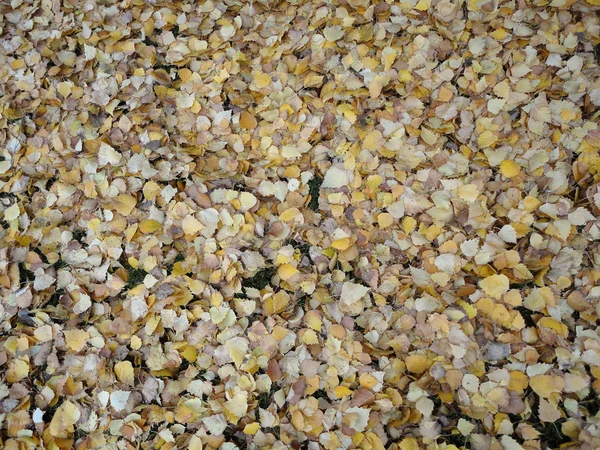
x=300, y=225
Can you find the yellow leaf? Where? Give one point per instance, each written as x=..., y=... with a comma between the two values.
x=518, y=381
x=133, y=262
x=124, y=372
x=469, y=309
x=236, y=408
x=237, y=348
x=485, y=306
x=368, y=381
x=313, y=80
x=149, y=226
x=486, y=139
x=298, y=420
x=423, y=5
x=499, y=34
x=190, y=353
x=388, y=57
x=276, y=304
x=195, y=443
x=262, y=80
x=409, y=443
x=63, y=420
x=509, y=168
x=468, y=192
x=546, y=385
x=252, y=428
x=373, y=441
x=287, y=271
x=289, y=214
x=445, y=94
x=405, y=76
x=567, y=115
x=247, y=200
x=76, y=339
x=374, y=181
x=385, y=220
x=125, y=203
x=179, y=269
x=341, y=244
x=539, y=298
x=190, y=225
x=342, y=391
x=558, y=327
x=17, y=370
x=309, y=337
x=418, y=363
x=501, y=315
x=64, y=88
x=495, y=286
x=329, y=252
x=313, y=320
x=518, y=323
x=136, y=342
x=409, y=224
x=373, y=140
x=428, y=136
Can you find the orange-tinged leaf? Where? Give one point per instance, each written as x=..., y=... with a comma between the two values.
x=385, y=220
x=247, y=121
x=418, y=363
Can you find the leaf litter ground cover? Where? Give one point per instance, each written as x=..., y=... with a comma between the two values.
x=304, y=224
